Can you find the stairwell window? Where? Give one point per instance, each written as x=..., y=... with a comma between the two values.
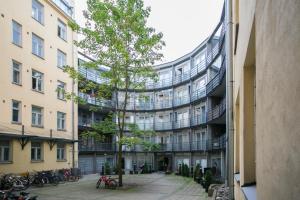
x=37, y=11
x=36, y=151
x=37, y=81
x=37, y=116
x=62, y=30
x=16, y=111
x=60, y=156
x=37, y=46
x=5, y=151
x=61, y=59
x=61, y=121
x=17, y=33
x=16, y=72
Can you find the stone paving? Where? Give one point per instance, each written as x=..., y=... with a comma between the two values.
x=136, y=187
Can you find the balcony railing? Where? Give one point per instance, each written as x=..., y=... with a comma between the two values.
x=181, y=100
x=64, y=7
x=163, y=125
x=198, y=119
x=92, y=75
x=217, y=80
x=198, y=94
x=97, y=147
x=181, y=78
x=202, y=145
x=163, y=104
x=95, y=101
x=181, y=123
x=217, y=111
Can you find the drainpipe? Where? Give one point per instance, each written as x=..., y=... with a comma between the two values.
x=73, y=108
x=229, y=99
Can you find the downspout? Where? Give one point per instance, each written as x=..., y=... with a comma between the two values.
x=73, y=108
x=229, y=99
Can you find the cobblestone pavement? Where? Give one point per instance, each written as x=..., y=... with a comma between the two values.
x=136, y=187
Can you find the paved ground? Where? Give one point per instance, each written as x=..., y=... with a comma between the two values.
x=136, y=187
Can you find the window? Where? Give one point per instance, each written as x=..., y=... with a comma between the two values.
x=37, y=46
x=60, y=151
x=37, y=116
x=37, y=81
x=5, y=151
x=16, y=113
x=61, y=121
x=17, y=33
x=16, y=72
x=61, y=90
x=61, y=59
x=38, y=11
x=36, y=151
x=62, y=30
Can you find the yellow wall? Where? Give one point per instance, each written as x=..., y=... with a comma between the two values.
x=20, y=11
x=266, y=98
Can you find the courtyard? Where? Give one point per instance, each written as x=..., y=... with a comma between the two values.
x=147, y=187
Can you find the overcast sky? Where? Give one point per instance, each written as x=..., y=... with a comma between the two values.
x=184, y=23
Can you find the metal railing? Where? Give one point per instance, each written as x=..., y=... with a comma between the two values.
x=96, y=147
x=95, y=101
x=198, y=119
x=217, y=80
x=217, y=111
x=92, y=75
x=198, y=94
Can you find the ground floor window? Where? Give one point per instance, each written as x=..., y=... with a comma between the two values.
x=61, y=149
x=5, y=151
x=36, y=151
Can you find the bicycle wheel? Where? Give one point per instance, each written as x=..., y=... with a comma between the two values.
x=98, y=184
x=55, y=180
x=112, y=184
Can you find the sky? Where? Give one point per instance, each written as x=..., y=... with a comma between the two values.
x=184, y=23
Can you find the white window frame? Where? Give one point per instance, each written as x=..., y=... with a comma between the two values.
x=39, y=81
x=37, y=11
x=18, y=109
x=35, y=148
x=61, y=88
x=61, y=121
x=61, y=151
x=17, y=68
x=16, y=28
x=37, y=46
x=61, y=59
x=61, y=30
x=36, y=116
x=3, y=148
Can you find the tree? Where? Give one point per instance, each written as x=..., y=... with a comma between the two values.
x=116, y=35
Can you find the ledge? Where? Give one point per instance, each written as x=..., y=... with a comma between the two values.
x=6, y=162
x=37, y=161
x=249, y=192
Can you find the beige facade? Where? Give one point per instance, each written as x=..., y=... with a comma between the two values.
x=266, y=99
x=33, y=115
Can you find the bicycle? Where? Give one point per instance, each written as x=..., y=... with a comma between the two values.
x=110, y=183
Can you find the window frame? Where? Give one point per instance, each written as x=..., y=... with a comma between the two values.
x=19, y=111
x=35, y=149
x=37, y=116
x=61, y=152
x=61, y=90
x=62, y=26
x=14, y=22
x=60, y=52
x=40, y=7
x=61, y=121
x=18, y=70
x=38, y=39
x=37, y=80
x=3, y=150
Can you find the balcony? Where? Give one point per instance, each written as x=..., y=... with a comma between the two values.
x=94, y=101
x=181, y=100
x=63, y=5
x=163, y=104
x=217, y=111
x=159, y=126
x=217, y=80
x=182, y=123
x=198, y=94
x=144, y=106
x=198, y=68
x=198, y=120
x=92, y=75
x=98, y=147
x=85, y=122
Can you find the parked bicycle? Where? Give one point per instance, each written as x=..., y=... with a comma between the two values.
x=10, y=195
x=109, y=183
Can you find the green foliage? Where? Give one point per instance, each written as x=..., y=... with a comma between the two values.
x=208, y=178
x=197, y=172
x=107, y=168
x=116, y=35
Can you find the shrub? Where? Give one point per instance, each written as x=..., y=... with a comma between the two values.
x=208, y=178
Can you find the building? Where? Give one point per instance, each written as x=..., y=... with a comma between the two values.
x=186, y=108
x=37, y=123
x=266, y=99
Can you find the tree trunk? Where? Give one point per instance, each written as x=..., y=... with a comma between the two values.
x=120, y=170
